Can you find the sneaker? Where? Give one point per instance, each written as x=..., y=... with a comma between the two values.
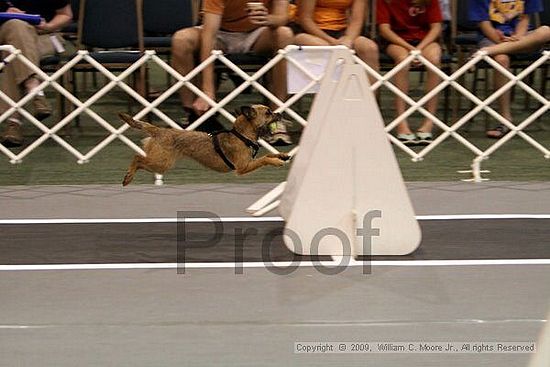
x=279, y=135
x=41, y=107
x=423, y=138
x=407, y=139
x=12, y=136
x=498, y=132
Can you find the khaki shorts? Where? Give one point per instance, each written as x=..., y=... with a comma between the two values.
x=237, y=42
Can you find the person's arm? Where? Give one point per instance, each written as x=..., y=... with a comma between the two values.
x=383, y=18
x=356, y=23
x=307, y=7
x=491, y=32
x=8, y=7
x=478, y=12
x=276, y=17
x=522, y=27
x=389, y=35
x=62, y=18
x=211, y=25
x=431, y=36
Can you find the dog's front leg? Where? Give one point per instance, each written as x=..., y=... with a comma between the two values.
x=276, y=160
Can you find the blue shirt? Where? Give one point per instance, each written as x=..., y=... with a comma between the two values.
x=503, y=14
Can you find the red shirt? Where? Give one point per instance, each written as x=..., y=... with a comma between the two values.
x=409, y=22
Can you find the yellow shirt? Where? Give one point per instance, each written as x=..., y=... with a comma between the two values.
x=332, y=14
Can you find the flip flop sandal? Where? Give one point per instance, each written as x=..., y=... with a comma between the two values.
x=498, y=132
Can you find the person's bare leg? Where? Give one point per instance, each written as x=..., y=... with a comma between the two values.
x=529, y=43
x=305, y=39
x=367, y=50
x=432, y=53
x=185, y=44
x=401, y=81
x=504, y=100
x=283, y=37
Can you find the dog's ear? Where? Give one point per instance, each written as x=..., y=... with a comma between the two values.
x=248, y=112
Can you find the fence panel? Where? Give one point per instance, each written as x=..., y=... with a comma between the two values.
x=381, y=80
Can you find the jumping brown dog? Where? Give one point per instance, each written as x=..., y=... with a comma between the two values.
x=221, y=152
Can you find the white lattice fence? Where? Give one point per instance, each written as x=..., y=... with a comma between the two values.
x=447, y=81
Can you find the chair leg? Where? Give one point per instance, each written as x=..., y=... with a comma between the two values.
x=485, y=94
x=447, y=99
x=457, y=99
x=531, y=81
x=75, y=93
x=544, y=79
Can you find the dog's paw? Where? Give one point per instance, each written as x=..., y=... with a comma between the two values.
x=127, y=179
x=284, y=157
x=278, y=162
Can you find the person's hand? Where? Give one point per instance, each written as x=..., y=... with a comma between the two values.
x=44, y=26
x=415, y=62
x=346, y=41
x=13, y=9
x=259, y=16
x=511, y=38
x=501, y=35
x=200, y=106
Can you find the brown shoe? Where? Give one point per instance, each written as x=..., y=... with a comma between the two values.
x=12, y=136
x=42, y=108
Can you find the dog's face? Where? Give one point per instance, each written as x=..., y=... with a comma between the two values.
x=260, y=117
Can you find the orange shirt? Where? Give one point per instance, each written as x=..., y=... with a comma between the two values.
x=332, y=15
x=233, y=12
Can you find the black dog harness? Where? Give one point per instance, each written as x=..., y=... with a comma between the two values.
x=254, y=147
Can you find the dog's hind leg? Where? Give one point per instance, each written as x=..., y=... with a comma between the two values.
x=136, y=164
x=140, y=162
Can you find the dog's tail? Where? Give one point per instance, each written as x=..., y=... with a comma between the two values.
x=140, y=125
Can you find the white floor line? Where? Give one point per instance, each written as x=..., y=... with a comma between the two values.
x=281, y=264
x=253, y=219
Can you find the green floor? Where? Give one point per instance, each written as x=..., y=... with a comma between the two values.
x=51, y=164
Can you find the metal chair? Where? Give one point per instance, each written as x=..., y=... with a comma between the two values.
x=112, y=30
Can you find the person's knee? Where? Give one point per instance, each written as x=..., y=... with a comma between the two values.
x=397, y=59
x=184, y=40
x=433, y=53
x=434, y=57
x=503, y=60
x=14, y=27
x=284, y=36
x=397, y=53
x=366, y=46
x=301, y=39
x=545, y=32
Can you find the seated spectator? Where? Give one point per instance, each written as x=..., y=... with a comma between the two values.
x=233, y=27
x=405, y=26
x=531, y=42
x=34, y=43
x=501, y=23
x=336, y=22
